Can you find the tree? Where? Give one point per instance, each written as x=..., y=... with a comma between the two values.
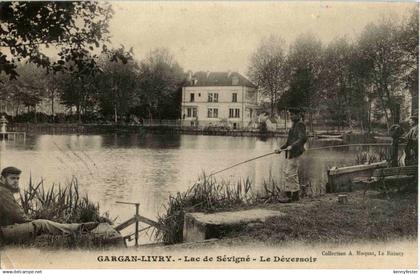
x=409, y=41
x=74, y=28
x=335, y=78
x=380, y=48
x=27, y=91
x=342, y=90
x=78, y=90
x=161, y=78
x=302, y=69
x=266, y=69
x=117, y=85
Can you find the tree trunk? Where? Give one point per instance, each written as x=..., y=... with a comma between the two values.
x=115, y=113
x=79, y=118
x=381, y=98
x=52, y=104
x=369, y=117
x=272, y=105
x=150, y=114
x=35, y=117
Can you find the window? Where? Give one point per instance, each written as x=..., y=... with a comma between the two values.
x=192, y=112
x=234, y=97
x=192, y=97
x=212, y=113
x=213, y=97
x=234, y=113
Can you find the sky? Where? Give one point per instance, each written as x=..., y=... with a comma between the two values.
x=221, y=36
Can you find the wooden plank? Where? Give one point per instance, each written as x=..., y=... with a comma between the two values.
x=126, y=224
x=350, y=169
x=405, y=170
x=362, y=179
x=148, y=221
x=135, y=219
x=399, y=179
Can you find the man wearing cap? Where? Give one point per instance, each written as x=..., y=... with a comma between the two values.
x=293, y=148
x=411, y=153
x=15, y=226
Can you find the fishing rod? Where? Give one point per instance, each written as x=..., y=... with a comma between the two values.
x=280, y=151
x=235, y=165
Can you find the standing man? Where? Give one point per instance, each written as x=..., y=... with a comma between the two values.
x=15, y=226
x=411, y=153
x=294, y=147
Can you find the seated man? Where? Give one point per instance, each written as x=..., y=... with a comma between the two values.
x=15, y=226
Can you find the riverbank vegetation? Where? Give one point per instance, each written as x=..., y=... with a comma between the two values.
x=207, y=195
x=63, y=204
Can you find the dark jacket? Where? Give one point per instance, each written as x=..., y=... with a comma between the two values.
x=10, y=211
x=296, y=138
x=411, y=154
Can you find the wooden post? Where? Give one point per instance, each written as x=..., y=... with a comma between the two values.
x=396, y=136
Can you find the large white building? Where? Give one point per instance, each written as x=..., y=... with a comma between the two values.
x=219, y=99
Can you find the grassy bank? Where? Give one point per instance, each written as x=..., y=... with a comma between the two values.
x=320, y=219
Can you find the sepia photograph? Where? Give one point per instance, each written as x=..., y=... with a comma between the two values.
x=208, y=134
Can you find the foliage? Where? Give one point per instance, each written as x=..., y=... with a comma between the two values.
x=382, y=55
x=161, y=79
x=347, y=82
x=303, y=71
x=266, y=69
x=116, y=86
x=75, y=29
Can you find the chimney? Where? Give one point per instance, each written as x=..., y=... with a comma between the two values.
x=189, y=76
x=208, y=74
x=235, y=80
x=229, y=73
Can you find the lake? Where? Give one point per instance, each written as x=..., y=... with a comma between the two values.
x=147, y=168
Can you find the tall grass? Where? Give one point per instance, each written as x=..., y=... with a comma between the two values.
x=207, y=195
x=60, y=204
x=371, y=157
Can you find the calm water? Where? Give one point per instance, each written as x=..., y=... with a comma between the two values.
x=148, y=168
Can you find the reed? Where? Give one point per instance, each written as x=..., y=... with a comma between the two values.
x=372, y=157
x=60, y=204
x=207, y=195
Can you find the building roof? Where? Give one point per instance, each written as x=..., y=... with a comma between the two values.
x=205, y=79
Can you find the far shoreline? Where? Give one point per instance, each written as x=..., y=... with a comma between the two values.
x=96, y=128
